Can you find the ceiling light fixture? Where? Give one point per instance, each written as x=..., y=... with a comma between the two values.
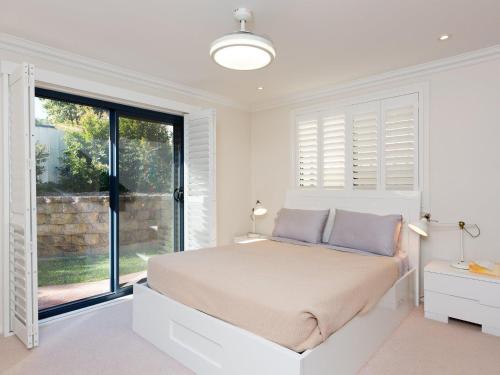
x=444, y=37
x=260, y=88
x=242, y=50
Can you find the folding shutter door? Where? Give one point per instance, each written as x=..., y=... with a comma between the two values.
x=22, y=250
x=199, y=180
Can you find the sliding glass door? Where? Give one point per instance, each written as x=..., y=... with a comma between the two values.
x=148, y=177
x=109, y=196
x=72, y=168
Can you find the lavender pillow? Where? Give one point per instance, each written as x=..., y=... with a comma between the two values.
x=300, y=225
x=366, y=232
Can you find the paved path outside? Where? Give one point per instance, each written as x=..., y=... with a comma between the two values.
x=54, y=295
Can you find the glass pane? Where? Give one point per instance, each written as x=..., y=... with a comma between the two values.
x=147, y=179
x=72, y=146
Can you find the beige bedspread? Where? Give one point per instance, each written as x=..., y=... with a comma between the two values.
x=294, y=295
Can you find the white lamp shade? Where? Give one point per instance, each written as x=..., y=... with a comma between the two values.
x=242, y=51
x=259, y=209
x=420, y=227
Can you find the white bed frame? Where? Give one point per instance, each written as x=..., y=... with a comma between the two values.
x=208, y=345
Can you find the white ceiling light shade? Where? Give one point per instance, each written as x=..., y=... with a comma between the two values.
x=242, y=50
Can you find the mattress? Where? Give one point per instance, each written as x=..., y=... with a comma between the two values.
x=400, y=257
x=294, y=295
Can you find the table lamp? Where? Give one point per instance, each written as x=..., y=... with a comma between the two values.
x=257, y=210
x=421, y=227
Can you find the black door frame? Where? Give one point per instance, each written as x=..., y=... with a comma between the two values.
x=115, y=111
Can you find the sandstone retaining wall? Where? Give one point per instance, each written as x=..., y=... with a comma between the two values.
x=79, y=224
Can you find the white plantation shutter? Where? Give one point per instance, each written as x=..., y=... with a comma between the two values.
x=365, y=154
x=307, y=143
x=400, y=118
x=199, y=180
x=334, y=149
x=23, y=300
x=368, y=146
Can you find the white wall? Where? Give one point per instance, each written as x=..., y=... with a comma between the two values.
x=464, y=172
x=3, y=230
x=233, y=151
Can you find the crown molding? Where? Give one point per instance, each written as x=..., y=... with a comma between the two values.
x=414, y=71
x=26, y=47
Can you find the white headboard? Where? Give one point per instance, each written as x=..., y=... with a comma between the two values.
x=381, y=203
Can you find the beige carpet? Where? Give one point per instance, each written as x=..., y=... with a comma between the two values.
x=99, y=342
x=102, y=342
x=422, y=346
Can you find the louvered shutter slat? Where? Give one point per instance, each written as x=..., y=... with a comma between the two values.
x=365, y=150
x=400, y=128
x=333, y=133
x=307, y=152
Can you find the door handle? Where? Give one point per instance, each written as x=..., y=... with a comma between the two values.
x=179, y=194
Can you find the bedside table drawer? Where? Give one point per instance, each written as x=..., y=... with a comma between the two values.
x=484, y=292
x=461, y=308
x=489, y=294
x=453, y=307
x=453, y=286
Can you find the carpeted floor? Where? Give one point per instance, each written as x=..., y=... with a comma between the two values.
x=102, y=342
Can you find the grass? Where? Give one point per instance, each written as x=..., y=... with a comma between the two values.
x=81, y=269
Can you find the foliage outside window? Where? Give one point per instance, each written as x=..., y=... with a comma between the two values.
x=83, y=166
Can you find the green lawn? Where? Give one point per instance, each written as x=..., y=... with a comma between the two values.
x=80, y=269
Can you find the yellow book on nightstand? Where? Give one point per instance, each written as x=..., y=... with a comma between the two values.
x=485, y=268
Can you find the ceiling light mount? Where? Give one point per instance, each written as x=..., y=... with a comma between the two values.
x=242, y=15
x=444, y=37
x=242, y=50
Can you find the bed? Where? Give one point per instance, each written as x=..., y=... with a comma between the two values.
x=231, y=310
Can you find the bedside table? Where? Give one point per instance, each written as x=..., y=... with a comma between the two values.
x=460, y=294
x=246, y=239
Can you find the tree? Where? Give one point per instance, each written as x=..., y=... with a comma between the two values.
x=41, y=156
x=145, y=147
x=146, y=156
x=84, y=163
x=68, y=113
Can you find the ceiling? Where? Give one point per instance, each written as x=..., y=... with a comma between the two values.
x=319, y=43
